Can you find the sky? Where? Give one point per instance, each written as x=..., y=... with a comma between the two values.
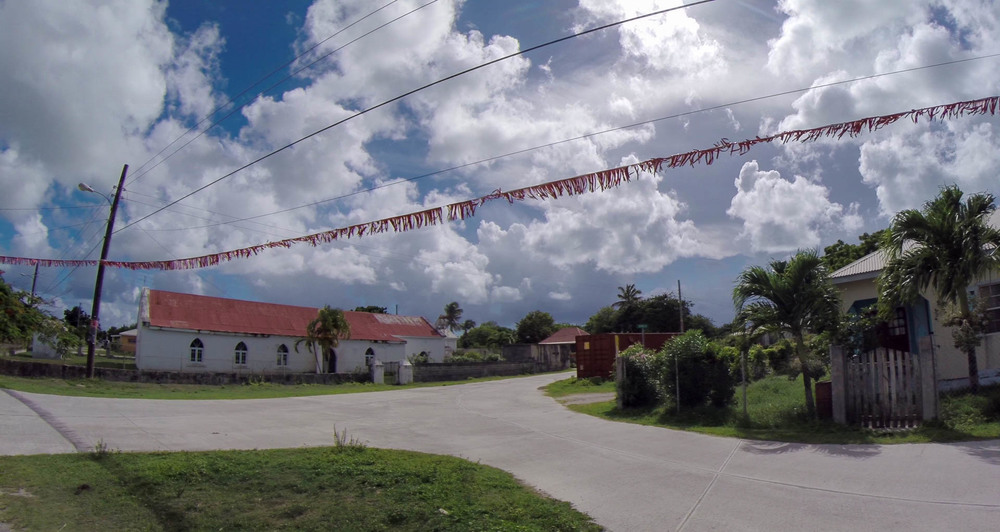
x=92, y=85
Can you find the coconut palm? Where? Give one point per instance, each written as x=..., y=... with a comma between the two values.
x=793, y=298
x=325, y=333
x=628, y=296
x=952, y=245
x=451, y=319
x=467, y=326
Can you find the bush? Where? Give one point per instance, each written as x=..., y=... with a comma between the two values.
x=472, y=356
x=638, y=388
x=419, y=358
x=700, y=369
x=780, y=357
x=960, y=411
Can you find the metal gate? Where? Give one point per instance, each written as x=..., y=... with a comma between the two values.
x=883, y=389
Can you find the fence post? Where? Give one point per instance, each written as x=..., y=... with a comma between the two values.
x=838, y=383
x=619, y=379
x=928, y=378
x=405, y=375
x=378, y=372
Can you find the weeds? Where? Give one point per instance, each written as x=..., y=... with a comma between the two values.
x=342, y=442
x=102, y=451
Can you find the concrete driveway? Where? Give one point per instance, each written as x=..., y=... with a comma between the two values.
x=628, y=477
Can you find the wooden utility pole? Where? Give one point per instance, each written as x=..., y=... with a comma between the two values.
x=95, y=323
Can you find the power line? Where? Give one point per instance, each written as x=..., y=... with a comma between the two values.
x=413, y=91
x=581, y=137
x=64, y=208
x=140, y=173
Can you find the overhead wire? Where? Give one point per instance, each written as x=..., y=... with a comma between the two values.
x=414, y=91
x=138, y=172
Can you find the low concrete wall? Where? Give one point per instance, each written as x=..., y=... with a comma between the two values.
x=465, y=370
x=20, y=368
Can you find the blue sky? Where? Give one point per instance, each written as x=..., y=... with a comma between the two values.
x=92, y=85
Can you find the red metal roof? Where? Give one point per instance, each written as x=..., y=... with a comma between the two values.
x=203, y=313
x=565, y=335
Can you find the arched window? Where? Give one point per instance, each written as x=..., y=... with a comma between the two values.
x=282, y=355
x=240, y=354
x=369, y=356
x=197, y=350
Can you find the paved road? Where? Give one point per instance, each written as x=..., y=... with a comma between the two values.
x=628, y=477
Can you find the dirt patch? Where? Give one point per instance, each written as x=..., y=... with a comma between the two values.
x=585, y=398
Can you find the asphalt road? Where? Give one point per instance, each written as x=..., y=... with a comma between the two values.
x=628, y=477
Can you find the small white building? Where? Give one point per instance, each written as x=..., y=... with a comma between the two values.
x=191, y=333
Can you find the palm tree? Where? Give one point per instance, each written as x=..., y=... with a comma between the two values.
x=792, y=297
x=451, y=319
x=628, y=296
x=325, y=332
x=467, y=326
x=953, y=244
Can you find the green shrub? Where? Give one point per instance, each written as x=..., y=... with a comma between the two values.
x=721, y=381
x=638, y=388
x=757, y=363
x=470, y=355
x=698, y=367
x=780, y=357
x=960, y=411
x=419, y=358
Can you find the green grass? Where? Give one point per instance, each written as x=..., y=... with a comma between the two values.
x=333, y=488
x=574, y=385
x=776, y=411
x=101, y=360
x=147, y=390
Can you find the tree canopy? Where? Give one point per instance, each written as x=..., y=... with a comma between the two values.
x=840, y=254
x=661, y=313
x=535, y=326
x=374, y=309
x=452, y=317
x=325, y=331
x=487, y=335
x=20, y=317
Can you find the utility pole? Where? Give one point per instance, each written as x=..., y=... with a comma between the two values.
x=95, y=323
x=34, y=280
x=677, y=373
x=680, y=304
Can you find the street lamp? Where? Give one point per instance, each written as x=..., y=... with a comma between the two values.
x=95, y=322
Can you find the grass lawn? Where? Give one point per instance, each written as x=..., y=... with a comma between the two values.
x=776, y=411
x=101, y=360
x=574, y=385
x=147, y=390
x=333, y=488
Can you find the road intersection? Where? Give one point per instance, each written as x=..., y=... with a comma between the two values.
x=628, y=477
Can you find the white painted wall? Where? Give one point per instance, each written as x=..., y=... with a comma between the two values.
x=351, y=354
x=169, y=350
x=436, y=348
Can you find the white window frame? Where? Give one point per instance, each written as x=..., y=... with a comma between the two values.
x=197, y=352
x=240, y=354
x=282, y=358
x=992, y=305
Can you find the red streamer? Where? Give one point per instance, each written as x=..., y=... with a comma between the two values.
x=586, y=183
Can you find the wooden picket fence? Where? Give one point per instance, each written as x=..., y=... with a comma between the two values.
x=883, y=389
